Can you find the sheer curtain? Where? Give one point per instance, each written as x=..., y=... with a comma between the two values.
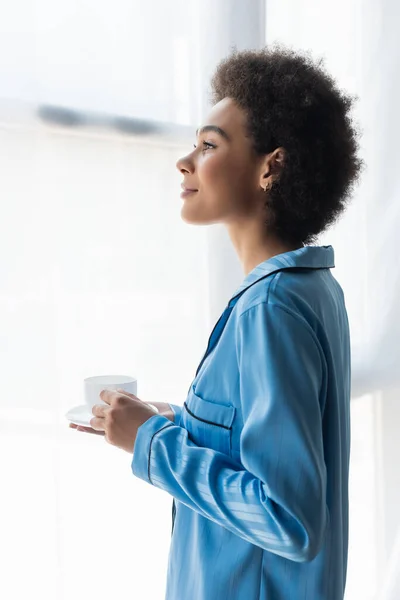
x=99, y=275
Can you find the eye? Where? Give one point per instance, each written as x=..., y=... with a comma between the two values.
x=206, y=146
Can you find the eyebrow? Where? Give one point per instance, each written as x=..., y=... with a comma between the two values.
x=213, y=128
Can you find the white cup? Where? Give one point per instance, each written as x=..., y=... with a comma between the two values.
x=94, y=385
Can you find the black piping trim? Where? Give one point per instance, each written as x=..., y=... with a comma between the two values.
x=173, y=515
x=151, y=441
x=278, y=270
x=204, y=420
x=209, y=343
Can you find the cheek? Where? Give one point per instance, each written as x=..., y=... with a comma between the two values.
x=225, y=180
x=212, y=169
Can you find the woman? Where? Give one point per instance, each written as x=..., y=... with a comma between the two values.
x=257, y=459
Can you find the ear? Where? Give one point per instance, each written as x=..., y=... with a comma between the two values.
x=271, y=167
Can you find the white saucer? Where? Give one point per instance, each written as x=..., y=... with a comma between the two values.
x=80, y=415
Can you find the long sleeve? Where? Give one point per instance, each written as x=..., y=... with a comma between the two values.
x=275, y=499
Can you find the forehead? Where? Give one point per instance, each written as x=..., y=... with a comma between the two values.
x=227, y=115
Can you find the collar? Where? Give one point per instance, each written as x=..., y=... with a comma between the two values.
x=307, y=257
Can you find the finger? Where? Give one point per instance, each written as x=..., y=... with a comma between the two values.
x=98, y=424
x=99, y=410
x=73, y=426
x=89, y=430
x=107, y=395
x=127, y=394
x=131, y=396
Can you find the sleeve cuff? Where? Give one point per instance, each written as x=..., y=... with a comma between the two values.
x=143, y=445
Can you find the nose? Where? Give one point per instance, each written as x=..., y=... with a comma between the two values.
x=185, y=165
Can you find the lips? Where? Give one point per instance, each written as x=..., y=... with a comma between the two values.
x=188, y=189
x=186, y=193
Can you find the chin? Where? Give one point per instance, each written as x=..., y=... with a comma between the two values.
x=193, y=219
x=191, y=214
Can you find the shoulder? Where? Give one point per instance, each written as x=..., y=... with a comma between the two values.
x=308, y=295
x=285, y=289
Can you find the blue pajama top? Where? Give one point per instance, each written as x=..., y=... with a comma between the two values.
x=257, y=459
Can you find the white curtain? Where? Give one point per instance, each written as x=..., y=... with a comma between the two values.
x=99, y=275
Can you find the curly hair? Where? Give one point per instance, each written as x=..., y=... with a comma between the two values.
x=292, y=102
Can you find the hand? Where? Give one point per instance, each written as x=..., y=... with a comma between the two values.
x=120, y=420
x=164, y=409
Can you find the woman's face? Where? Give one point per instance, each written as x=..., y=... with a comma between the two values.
x=221, y=176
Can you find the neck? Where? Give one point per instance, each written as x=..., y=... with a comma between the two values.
x=253, y=246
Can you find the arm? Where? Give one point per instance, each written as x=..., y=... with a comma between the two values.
x=277, y=499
